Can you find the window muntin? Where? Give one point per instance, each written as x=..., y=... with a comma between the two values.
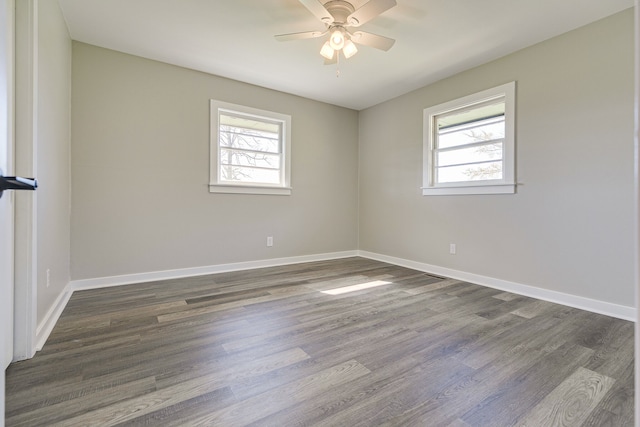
x=249, y=150
x=469, y=144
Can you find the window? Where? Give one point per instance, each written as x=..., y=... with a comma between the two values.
x=469, y=144
x=250, y=150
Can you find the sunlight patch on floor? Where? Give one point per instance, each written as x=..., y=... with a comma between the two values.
x=353, y=288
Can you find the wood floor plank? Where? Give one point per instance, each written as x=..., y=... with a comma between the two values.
x=282, y=397
x=23, y=373
x=603, y=418
x=334, y=401
x=177, y=414
x=616, y=405
x=29, y=398
x=178, y=392
x=320, y=361
x=398, y=396
x=266, y=347
x=506, y=296
x=461, y=396
x=526, y=389
x=62, y=412
x=535, y=308
x=313, y=328
x=432, y=287
x=79, y=390
x=571, y=403
x=510, y=341
x=236, y=368
x=612, y=355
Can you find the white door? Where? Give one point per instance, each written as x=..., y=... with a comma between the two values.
x=7, y=21
x=6, y=164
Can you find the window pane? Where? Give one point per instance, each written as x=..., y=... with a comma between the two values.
x=482, y=122
x=484, y=130
x=477, y=153
x=249, y=140
x=240, y=174
x=249, y=133
x=477, y=172
x=249, y=158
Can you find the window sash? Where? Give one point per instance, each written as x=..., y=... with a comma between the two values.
x=244, y=159
x=440, y=160
x=460, y=135
x=476, y=160
x=472, y=175
x=249, y=127
x=247, y=175
x=470, y=145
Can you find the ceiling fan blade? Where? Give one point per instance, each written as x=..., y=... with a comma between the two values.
x=318, y=10
x=368, y=11
x=373, y=40
x=332, y=61
x=299, y=36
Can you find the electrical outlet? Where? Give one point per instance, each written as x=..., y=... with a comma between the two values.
x=452, y=248
x=269, y=241
x=48, y=276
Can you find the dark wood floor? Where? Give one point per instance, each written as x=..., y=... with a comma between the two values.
x=269, y=348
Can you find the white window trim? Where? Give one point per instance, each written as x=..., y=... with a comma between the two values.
x=215, y=186
x=507, y=185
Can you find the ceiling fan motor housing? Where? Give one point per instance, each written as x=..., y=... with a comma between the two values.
x=340, y=10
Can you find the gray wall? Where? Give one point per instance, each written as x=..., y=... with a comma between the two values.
x=140, y=171
x=569, y=228
x=53, y=154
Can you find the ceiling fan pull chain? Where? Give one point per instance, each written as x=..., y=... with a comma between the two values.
x=337, y=65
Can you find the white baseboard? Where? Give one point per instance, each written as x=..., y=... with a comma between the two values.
x=51, y=318
x=46, y=326
x=127, y=279
x=600, y=307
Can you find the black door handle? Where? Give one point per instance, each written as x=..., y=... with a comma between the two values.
x=17, y=183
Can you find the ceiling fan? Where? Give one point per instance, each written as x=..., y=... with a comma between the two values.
x=339, y=16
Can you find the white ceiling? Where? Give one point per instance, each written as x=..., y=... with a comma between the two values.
x=234, y=39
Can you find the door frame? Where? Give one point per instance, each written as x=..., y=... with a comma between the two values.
x=7, y=50
x=637, y=202
x=26, y=143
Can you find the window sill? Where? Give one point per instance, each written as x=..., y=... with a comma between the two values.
x=469, y=189
x=249, y=189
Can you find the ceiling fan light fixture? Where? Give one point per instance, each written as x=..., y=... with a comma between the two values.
x=327, y=51
x=337, y=39
x=349, y=49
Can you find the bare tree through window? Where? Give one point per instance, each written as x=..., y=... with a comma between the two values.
x=249, y=150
